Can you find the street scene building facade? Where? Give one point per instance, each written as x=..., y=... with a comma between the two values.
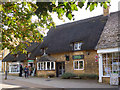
x=108, y=48
x=89, y=46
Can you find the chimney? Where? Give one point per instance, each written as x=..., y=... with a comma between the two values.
x=106, y=11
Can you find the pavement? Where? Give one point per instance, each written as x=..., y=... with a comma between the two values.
x=37, y=82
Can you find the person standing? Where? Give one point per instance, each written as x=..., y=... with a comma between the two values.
x=26, y=70
x=20, y=74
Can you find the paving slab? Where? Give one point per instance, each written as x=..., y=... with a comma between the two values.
x=37, y=82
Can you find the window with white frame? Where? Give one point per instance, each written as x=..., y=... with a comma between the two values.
x=77, y=46
x=46, y=66
x=14, y=67
x=78, y=65
x=111, y=63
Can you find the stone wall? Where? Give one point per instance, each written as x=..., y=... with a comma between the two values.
x=90, y=66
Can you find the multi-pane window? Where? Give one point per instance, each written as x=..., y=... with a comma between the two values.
x=77, y=46
x=46, y=66
x=14, y=67
x=78, y=65
x=111, y=63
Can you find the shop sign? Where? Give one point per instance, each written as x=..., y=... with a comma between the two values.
x=78, y=57
x=30, y=60
x=114, y=79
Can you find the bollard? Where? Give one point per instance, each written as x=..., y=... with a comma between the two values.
x=5, y=75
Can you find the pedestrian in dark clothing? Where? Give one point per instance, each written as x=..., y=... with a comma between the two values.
x=26, y=70
x=20, y=74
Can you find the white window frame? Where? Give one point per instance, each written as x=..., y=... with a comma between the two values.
x=45, y=67
x=79, y=44
x=78, y=64
x=108, y=75
x=14, y=63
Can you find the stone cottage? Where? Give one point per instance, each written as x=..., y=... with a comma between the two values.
x=108, y=48
x=70, y=48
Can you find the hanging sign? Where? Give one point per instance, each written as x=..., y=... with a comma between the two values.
x=78, y=57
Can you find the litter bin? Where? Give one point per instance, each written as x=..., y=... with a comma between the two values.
x=114, y=80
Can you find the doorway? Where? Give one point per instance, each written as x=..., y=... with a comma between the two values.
x=60, y=68
x=31, y=66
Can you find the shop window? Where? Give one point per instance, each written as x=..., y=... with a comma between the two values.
x=111, y=63
x=14, y=67
x=77, y=46
x=78, y=65
x=46, y=66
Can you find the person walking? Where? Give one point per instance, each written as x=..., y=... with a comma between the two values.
x=26, y=70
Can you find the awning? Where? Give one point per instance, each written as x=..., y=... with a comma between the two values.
x=46, y=58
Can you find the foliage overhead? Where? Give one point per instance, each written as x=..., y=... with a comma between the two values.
x=17, y=27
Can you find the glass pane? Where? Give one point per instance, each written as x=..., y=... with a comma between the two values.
x=42, y=65
x=38, y=66
x=80, y=64
x=76, y=64
x=75, y=46
x=104, y=56
x=45, y=66
x=48, y=65
x=115, y=56
x=14, y=68
x=80, y=44
x=52, y=65
x=115, y=67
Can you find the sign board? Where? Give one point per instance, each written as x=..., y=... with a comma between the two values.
x=30, y=60
x=114, y=79
x=78, y=57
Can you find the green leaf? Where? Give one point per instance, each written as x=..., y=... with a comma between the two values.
x=105, y=5
x=91, y=7
x=69, y=16
x=9, y=22
x=80, y=4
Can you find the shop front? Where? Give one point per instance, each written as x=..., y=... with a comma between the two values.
x=109, y=62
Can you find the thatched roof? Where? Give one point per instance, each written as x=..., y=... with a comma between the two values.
x=62, y=38
x=21, y=56
x=9, y=57
x=37, y=52
x=110, y=37
x=46, y=58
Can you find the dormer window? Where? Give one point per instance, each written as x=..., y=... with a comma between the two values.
x=77, y=45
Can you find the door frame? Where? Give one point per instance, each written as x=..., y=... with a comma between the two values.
x=62, y=62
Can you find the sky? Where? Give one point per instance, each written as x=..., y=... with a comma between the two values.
x=84, y=14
